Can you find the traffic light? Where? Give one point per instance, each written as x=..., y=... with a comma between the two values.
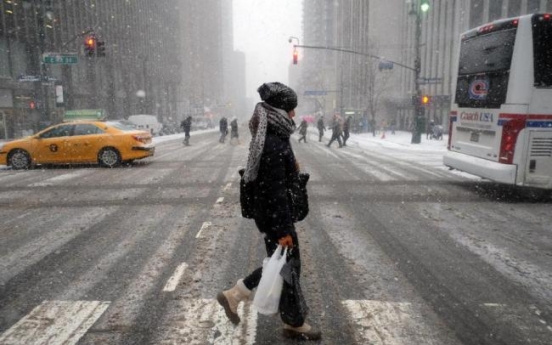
x=100, y=48
x=90, y=44
x=424, y=5
x=295, y=56
x=425, y=100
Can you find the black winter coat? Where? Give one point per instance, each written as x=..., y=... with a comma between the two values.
x=277, y=170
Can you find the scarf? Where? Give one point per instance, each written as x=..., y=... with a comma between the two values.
x=264, y=116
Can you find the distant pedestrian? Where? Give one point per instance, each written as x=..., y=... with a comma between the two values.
x=271, y=168
x=303, y=131
x=429, y=129
x=373, y=126
x=186, y=125
x=337, y=128
x=321, y=128
x=234, y=130
x=223, y=127
x=346, y=129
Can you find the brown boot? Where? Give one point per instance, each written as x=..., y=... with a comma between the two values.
x=304, y=332
x=230, y=299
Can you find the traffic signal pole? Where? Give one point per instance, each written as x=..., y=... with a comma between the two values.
x=418, y=108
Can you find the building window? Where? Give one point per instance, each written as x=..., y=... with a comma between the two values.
x=533, y=6
x=4, y=58
x=495, y=10
x=19, y=57
x=514, y=8
x=476, y=13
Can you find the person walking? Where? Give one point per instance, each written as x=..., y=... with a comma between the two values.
x=321, y=128
x=346, y=129
x=223, y=127
x=186, y=125
x=336, y=131
x=303, y=131
x=234, y=130
x=429, y=129
x=271, y=166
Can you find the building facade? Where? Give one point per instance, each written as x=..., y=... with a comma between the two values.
x=162, y=58
x=359, y=31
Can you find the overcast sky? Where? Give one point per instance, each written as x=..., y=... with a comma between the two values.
x=261, y=31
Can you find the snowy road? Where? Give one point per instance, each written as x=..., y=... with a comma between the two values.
x=397, y=250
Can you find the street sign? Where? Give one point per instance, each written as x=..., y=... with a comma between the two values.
x=430, y=80
x=315, y=93
x=384, y=64
x=85, y=114
x=60, y=58
x=28, y=78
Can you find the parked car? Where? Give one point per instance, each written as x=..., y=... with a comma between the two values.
x=146, y=122
x=106, y=143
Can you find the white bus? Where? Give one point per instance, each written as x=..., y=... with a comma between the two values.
x=501, y=116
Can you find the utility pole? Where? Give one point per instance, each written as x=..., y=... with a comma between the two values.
x=419, y=110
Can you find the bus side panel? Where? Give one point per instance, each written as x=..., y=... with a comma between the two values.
x=539, y=160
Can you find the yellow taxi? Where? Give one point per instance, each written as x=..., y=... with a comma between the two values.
x=107, y=143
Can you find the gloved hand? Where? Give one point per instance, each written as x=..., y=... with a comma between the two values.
x=286, y=241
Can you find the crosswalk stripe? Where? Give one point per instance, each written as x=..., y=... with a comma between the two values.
x=175, y=278
x=203, y=321
x=61, y=178
x=380, y=323
x=55, y=323
x=203, y=227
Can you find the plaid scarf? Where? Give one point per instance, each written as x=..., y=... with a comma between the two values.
x=263, y=117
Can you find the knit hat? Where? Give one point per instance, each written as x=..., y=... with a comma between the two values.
x=278, y=95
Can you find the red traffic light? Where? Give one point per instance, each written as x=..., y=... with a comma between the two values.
x=90, y=43
x=295, y=56
x=32, y=105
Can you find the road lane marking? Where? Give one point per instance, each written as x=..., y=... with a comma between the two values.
x=220, y=200
x=55, y=323
x=61, y=178
x=386, y=323
x=203, y=321
x=175, y=278
x=203, y=227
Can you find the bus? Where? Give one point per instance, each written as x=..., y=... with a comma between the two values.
x=501, y=115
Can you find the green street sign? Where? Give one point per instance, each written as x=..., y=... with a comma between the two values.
x=60, y=58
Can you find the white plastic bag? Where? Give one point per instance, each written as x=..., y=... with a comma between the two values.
x=267, y=297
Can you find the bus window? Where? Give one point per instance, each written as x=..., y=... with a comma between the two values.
x=542, y=47
x=484, y=67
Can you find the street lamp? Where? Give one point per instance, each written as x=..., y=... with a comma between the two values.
x=421, y=6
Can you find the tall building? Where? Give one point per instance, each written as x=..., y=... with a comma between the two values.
x=352, y=38
x=162, y=58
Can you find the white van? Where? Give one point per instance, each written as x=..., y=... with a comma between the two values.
x=146, y=122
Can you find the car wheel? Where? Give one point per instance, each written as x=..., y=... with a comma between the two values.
x=109, y=157
x=19, y=159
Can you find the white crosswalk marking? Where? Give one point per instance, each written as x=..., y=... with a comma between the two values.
x=203, y=321
x=203, y=227
x=61, y=178
x=175, y=278
x=55, y=322
x=387, y=323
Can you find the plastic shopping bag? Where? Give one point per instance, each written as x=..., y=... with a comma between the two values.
x=267, y=297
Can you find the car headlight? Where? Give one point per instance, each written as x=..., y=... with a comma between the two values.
x=2, y=145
